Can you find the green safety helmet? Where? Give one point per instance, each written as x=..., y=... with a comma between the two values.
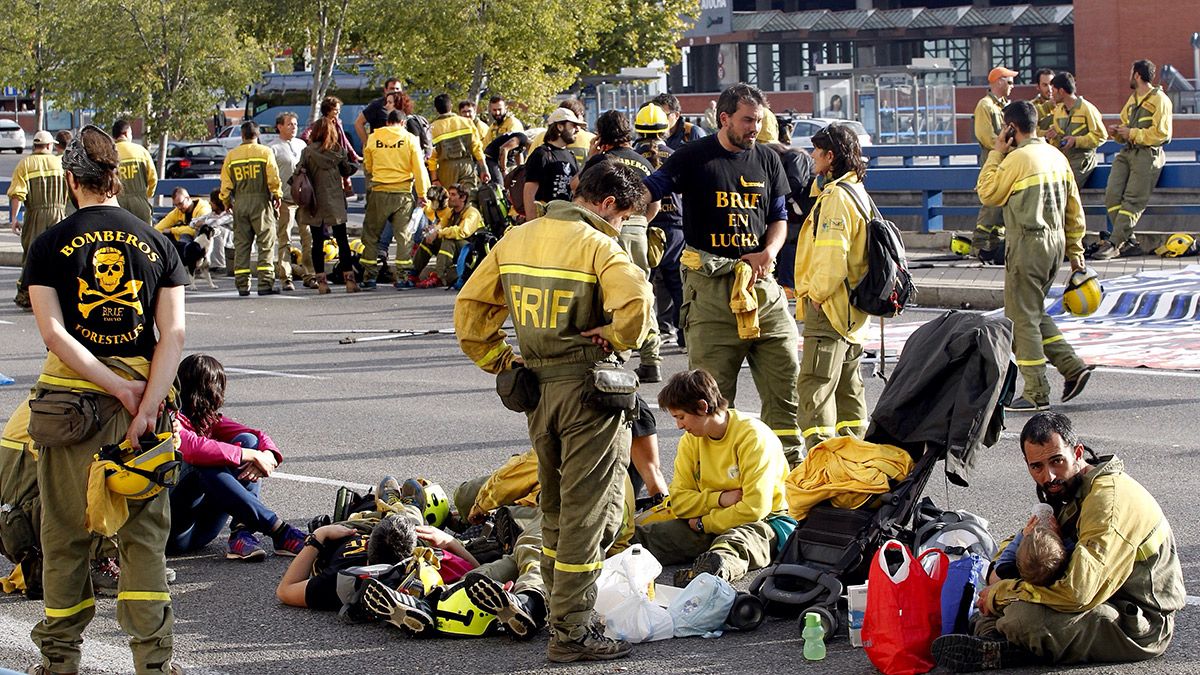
x=144, y=473
x=1083, y=293
x=457, y=615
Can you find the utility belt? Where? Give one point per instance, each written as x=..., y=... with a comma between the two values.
x=606, y=386
x=1155, y=149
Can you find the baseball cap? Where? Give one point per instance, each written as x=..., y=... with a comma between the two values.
x=999, y=72
x=43, y=137
x=564, y=115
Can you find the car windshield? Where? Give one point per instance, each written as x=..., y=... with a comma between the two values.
x=9, y=125
x=205, y=151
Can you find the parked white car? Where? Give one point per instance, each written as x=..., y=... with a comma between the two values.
x=231, y=136
x=806, y=127
x=12, y=137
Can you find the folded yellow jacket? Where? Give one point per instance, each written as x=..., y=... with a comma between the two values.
x=846, y=470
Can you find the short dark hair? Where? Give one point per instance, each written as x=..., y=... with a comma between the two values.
x=390, y=81
x=1037, y=77
x=667, y=102
x=119, y=128
x=392, y=540
x=1022, y=115
x=249, y=130
x=737, y=94
x=841, y=140
x=684, y=391
x=496, y=99
x=1064, y=81
x=329, y=104
x=613, y=128
x=576, y=106
x=283, y=117
x=214, y=199
x=459, y=188
x=62, y=137
x=179, y=190
x=616, y=180
x=1042, y=427
x=1144, y=69
x=466, y=104
x=396, y=116
x=441, y=103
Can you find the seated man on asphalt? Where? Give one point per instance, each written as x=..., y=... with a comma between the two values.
x=727, y=490
x=1116, y=600
x=178, y=222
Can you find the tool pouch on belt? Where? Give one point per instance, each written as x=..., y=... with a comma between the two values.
x=518, y=389
x=17, y=535
x=610, y=388
x=62, y=418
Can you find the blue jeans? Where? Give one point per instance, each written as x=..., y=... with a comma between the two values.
x=204, y=499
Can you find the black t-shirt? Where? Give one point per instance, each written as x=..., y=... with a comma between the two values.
x=321, y=590
x=728, y=197
x=107, y=266
x=623, y=155
x=670, y=207
x=552, y=168
x=375, y=115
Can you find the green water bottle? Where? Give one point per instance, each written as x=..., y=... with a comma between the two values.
x=814, y=637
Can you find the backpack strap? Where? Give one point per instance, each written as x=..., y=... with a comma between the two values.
x=862, y=208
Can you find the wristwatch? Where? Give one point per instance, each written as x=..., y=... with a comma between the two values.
x=311, y=540
x=699, y=528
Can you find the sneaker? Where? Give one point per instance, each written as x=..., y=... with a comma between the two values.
x=244, y=546
x=1131, y=249
x=369, y=285
x=1024, y=405
x=409, y=281
x=106, y=574
x=289, y=543
x=967, y=653
x=1105, y=251
x=388, y=493
x=512, y=610
x=1074, y=386
x=431, y=281
x=409, y=614
x=288, y=285
x=594, y=646
x=648, y=373
x=507, y=530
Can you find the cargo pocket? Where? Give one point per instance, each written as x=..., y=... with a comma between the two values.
x=817, y=359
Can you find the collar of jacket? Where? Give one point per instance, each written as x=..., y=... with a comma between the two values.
x=445, y=115
x=1000, y=102
x=848, y=177
x=564, y=210
x=1030, y=140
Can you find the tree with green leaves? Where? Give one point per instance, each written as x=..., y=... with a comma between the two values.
x=637, y=33
x=30, y=47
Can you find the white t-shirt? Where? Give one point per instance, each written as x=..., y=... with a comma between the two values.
x=287, y=153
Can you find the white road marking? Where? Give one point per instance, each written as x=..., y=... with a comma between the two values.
x=272, y=373
x=234, y=294
x=6, y=322
x=1193, y=600
x=1149, y=371
x=197, y=314
x=321, y=481
x=98, y=656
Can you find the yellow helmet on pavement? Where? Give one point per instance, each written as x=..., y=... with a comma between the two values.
x=331, y=250
x=1178, y=244
x=960, y=245
x=356, y=246
x=651, y=120
x=1083, y=293
x=457, y=615
x=144, y=473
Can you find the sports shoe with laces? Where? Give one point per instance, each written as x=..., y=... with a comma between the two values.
x=106, y=574
x=388, y=493
x=244, y=546
x=593, y=646
x=1024, y=405
x=1105, y=251
x=411, y=615
x=1074, y=386
x=514, y=611
x=289, y=543
x=968, y=653
x=431, y=281
x=507, y=530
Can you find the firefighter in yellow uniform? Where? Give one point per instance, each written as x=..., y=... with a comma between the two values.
x=573, y=295
x=1032, y=182
x=465, y=220
x=1043, y=103
x=1078, y=128
x=502, y=122
x=138, y=175
x=250, y=183
x=457, y=157
x=392, y=156
x=39, y=185
x=438, y=212
x=989, y=224
x=178, y=222
x=1144, y=129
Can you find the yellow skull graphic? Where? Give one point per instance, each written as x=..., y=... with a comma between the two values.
x=109, y=264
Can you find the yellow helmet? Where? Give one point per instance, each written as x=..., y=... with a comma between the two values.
x=457, y=615
x=356, y=246
x=430, y=498
x=143, y=474
x=660, y=512
x=1083, y=293
x=331, y=250
x=960, y=245
x=421, y=575
x=1178, y=244
x=651, y=120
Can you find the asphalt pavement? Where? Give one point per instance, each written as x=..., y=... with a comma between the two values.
x=415, y=406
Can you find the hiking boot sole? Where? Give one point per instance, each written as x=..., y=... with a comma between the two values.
x=253, y=556
x=397, y=609
x=968, y=654
x=1075, y=387
x=487, y=594
x=506, y=530
x=558, y=654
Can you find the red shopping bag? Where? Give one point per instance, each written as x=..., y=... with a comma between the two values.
x=904, y=610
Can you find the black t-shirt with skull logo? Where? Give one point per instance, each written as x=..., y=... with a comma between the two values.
x=106, y=265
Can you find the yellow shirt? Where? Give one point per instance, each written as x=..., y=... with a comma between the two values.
x=179, y=224
x=989, y=120
x=462, y=225
x=1083, y=121
x=38, y=180
x=394, y=159
x=454, y=138
x=769, y=133
x=137, y=168
x=507, y=126
x=1148, y=118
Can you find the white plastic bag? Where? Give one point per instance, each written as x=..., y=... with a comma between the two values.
x=702, y=607
x=623, y=597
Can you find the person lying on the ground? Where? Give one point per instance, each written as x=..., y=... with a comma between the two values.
x=1117, y=599
x=728, y=486
x=224, y=462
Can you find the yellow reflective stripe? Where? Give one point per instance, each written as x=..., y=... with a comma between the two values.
x=448, y=254
x=11, y=444
x=1051, y=340
x=550, y=553
x=1153, y=543
x=70, y=611
x=1113, y=208
x=150, y=596
x=548, y=273
x=1031, y=362
x=452, y=134
x=850, y=423
x=785, y=432
x=491, y=356
x=578, y=568
x=833, y=243
x=817, y=430
x=266, y=267
x=248, y=160
x=245, y=271
x=1041, y=179
x=45, y=173
x=1131, y=215
x=73, y=383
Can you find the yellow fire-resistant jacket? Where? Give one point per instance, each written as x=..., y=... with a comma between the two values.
x=179, y=224
x=462, y=225
x=1035, y=186
x=440, y=217
x=454, y=138
x=989, y=120
x=846, y=470
x=138, y=175
x=38, y=181
x=1125, y=552
x=394, y=159
x=1083, y=121
x=557, y=276
x=250, y=170
x=509, y=125
x=1045, y=113
x=769, y=133
x=1148, y=118
x=748, y=458
x=832, y=252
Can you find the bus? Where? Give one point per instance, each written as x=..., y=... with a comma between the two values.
x=292, y=92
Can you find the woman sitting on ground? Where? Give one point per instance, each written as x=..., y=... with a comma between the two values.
x=223, y=463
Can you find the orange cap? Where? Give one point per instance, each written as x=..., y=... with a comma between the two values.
x=999, y=72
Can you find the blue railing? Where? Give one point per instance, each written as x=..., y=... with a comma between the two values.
x=944, y=153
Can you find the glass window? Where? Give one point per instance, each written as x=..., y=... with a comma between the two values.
x=750, y=64
x=959, y=53
x=684, y=75
x=776, y=68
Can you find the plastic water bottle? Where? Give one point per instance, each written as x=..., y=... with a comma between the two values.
x=814, y=637
x=1043, y=512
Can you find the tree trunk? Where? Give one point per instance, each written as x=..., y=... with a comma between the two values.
x=477, y=80
x=39, y=105
x=162, y=154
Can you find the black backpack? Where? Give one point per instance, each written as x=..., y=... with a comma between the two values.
x=887, y=286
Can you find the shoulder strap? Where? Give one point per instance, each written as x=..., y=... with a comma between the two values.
x=862, y=208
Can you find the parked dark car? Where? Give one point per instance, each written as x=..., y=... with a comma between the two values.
x=193, y=160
